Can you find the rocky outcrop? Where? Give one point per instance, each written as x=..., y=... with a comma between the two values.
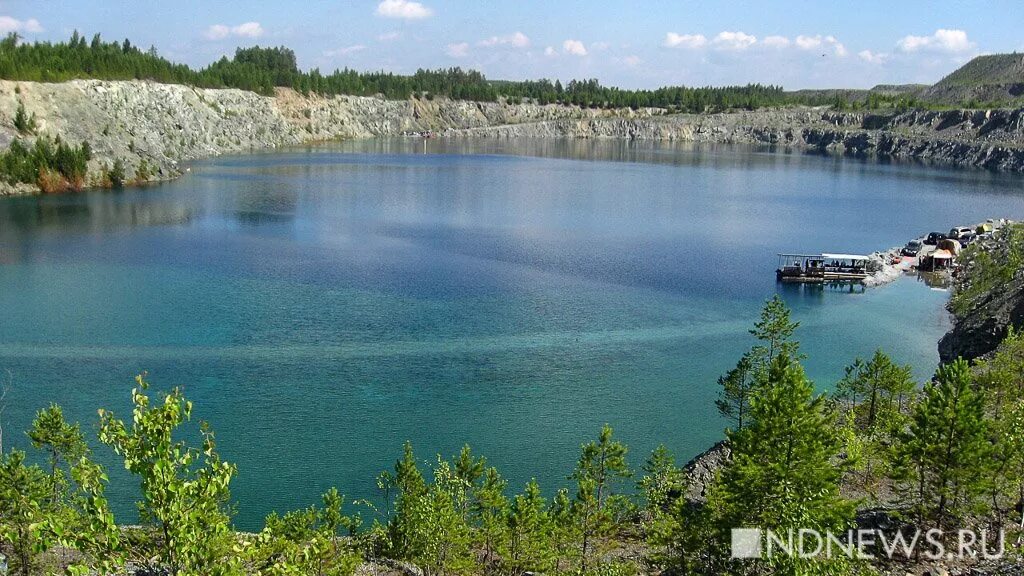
x=984, y=139
x=701, y=470
x=982, y=321
x=162, y=125
x=165, y=124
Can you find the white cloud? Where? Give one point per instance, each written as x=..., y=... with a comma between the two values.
x=775, y=41
x=346, y=50
x=818, y=42
x=952, y=41
x=245, y=30
x=550, y=51
x=404, y=9
x=734, y=40
x=8, y=25
x=574, y=47
x=873, y=57
x=515, y=40
x=389, y=36
x=692, y=41
x=460, y=50
x=599, y=46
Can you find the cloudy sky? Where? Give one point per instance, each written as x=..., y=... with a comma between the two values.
x=799, y=44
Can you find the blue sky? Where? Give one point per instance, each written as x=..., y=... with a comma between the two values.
x=798, y=44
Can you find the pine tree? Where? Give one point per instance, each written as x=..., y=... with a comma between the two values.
x=601, y=463
x=529, y=532
x=783, y=474
x=876, y=392
x=943, y=458
x=775, y=332
x=63, y=443
x=736, y=387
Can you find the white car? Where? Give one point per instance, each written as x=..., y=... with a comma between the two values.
x=956, y=233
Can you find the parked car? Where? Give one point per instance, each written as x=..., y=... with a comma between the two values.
x=934, y=238
x=967, y=238
x=913, y=248
x=956, y=233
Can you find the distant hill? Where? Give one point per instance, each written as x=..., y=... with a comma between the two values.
x=991, y=78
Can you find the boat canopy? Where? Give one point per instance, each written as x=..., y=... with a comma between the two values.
x=854, y=257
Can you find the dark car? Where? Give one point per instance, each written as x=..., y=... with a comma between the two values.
x=967, y=238
x=934, y=238
x=913, y=248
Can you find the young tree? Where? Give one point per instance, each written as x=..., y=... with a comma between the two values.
x=305, y=542
x=24, y=498
x=775, y=332
x=783, y=473
x=943, y=458
x=736, y=387
x=661, y=484
x=876, y=393
x=429, y=528
x=62, y=442
x=529, y=533
x=184, y=489
x=601, y=463
x=489, y=509
x=564, y=528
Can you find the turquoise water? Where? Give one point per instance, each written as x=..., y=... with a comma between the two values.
x=323, y=305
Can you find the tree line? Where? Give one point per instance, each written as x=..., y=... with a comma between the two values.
x=952, y=450
x=262, y=69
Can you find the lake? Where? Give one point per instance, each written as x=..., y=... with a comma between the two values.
x=323, y=305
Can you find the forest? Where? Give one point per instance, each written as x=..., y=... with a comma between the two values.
x=261, y=70
x=944, y=455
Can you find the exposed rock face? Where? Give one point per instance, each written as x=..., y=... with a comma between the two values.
x=978, y=331
x=165, y=124
x=700, y=471
x=986, y=139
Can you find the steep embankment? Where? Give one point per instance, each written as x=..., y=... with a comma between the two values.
x=164, y=124
x=988, y=139
x=988, y=295
x=161, y=125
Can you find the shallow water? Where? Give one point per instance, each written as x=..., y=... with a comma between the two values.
x=323, y=305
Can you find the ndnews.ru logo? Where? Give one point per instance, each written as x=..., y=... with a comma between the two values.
x=866, y=544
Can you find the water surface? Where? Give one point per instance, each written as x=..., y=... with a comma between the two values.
x=323, y=305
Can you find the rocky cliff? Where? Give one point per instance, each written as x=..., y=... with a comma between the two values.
x=163, y=125
x=988, y=296
x=987, y=139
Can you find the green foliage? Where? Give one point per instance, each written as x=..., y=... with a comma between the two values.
x=601, y=464
x=305, y=542
x=261, y=70
x=987, y=269
x=736, y=385
x=783, y=473
x=1001, y=380
x=24, y=495
x=876, y=394
x=185, y=490
x=24, y=123
x=530, y=543
x=28, y=164
x=943, y=458
x=116, y=175
x=662, y=483
x=429, y=526
x=63, y=443
x=774, y=333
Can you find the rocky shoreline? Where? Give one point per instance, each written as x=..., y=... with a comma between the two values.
x=161, y=126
